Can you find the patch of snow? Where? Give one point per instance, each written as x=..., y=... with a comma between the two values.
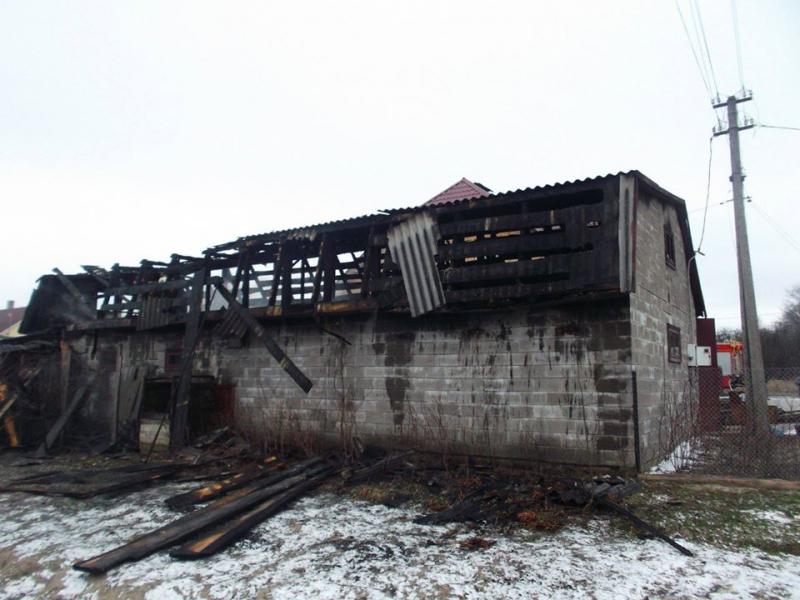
x=782, y=429
x=773, y=516
x=786, y=403
x=327, y=546
x=678, y=459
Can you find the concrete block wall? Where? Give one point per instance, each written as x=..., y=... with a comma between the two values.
x=545, y=384
x=661, y=296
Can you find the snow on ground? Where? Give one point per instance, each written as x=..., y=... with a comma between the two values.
x=786, y=403
x=680, y=458
x=774, y=516
x=328, y=546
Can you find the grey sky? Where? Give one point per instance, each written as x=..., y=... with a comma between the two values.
x=136, y=129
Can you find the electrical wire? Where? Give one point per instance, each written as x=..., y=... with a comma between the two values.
x=787, y=128
x=735, y=16
x=705, y=45
x=778, y=229
x=694, y=52
x=708, y=193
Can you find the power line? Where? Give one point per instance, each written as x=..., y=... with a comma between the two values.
x=708, y=192
x=694, y=52
x=778, y=229
x=786, y=127
x=705, y=45
x=735, y=16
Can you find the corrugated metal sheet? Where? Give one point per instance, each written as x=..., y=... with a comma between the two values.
x=412, y=245
x=383, y=214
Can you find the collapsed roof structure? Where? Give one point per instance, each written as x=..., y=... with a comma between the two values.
x=425, y=305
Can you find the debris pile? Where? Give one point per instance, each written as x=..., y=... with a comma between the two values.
x=495, y=499
x=241, y=491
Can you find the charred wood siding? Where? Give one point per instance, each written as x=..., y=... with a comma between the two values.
x=533, y=250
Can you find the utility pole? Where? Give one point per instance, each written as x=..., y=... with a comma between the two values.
x=753, y=358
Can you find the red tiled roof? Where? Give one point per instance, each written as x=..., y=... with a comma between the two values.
x=459, y=191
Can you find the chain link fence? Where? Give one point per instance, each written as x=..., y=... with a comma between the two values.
x=713, y=427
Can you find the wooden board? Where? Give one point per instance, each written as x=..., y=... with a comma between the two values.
x=191, y=524
x=231, y=531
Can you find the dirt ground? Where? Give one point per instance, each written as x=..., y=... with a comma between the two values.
x=335, y=545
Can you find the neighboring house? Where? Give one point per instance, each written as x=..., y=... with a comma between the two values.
x=548, y=324
x=459, y=191
x=10, y=319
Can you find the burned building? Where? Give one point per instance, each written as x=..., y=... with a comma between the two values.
x=549, y=323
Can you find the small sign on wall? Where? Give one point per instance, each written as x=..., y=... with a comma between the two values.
x=673, y=344
x=698, y=356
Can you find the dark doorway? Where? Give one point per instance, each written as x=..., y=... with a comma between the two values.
x=211, y=407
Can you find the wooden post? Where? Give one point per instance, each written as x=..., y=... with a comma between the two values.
x=315, y=292
x=180, y=412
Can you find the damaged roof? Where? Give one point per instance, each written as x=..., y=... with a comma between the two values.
x=482, y=198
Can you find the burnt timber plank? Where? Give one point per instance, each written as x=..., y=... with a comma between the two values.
x=529, y=290
x=329, y=260
x=345, y=306
x=276, y=277
x=215, y=490
x=286, y=278
x=592, y=212
x=550, y=243
x=62, y=420
x=128, y=290
x=191, y=336
x=95, y=485
x=240, y=270
x=182, y=528
x=230, y=532
x=507, y=270
x=272, y=347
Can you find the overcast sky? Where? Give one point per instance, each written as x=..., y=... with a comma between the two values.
x=134, y=130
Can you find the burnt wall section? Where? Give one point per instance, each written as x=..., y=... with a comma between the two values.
x=549, y=384
x=662, y=298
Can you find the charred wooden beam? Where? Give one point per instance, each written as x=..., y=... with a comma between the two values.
x=528, y=220
x=329, y=260
x=508, y=246
x=230, y=532
x=191, y=336
x=519, y=290
x=186, y=526
x=286, y=278
x=554, y=265
x=162, y=286
x=216, y=490
x=62, y=420
x=276, y=279
x=272, y=347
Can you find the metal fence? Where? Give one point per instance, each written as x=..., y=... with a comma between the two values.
x=713, y=427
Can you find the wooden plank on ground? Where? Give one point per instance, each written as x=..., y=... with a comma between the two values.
x=230, y=532
x=183, y=528
x=95, y=484
x=215, y=490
